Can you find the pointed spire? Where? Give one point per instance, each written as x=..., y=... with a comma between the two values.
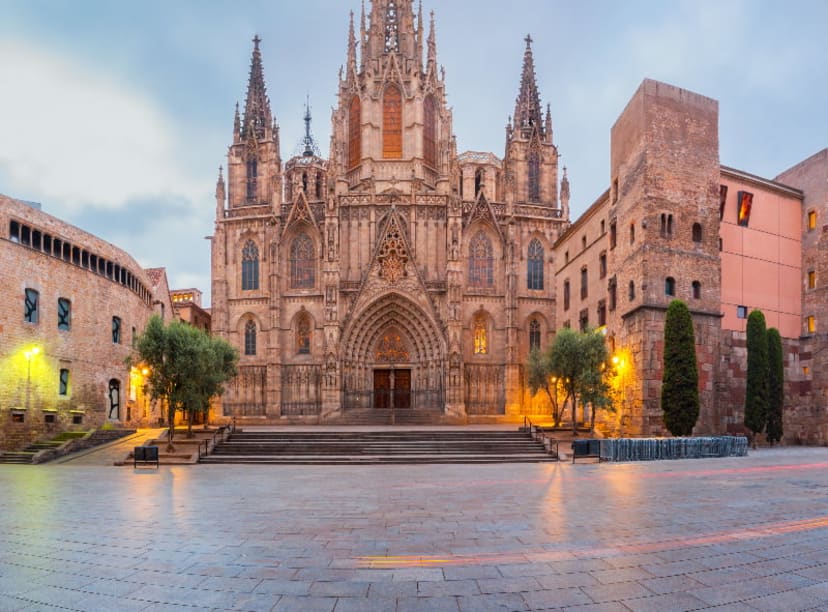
x=237, y=125
x=352, y=65
x=220, y=192
x=548, y=124
x=363, y=38
x=527, y=105
x=565, y=194
x=257, y=114
x=432, y=46
x=419, y=46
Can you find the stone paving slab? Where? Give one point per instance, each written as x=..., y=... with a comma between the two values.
x=725, y=534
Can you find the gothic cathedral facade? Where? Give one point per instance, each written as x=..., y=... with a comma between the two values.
x=396, y=273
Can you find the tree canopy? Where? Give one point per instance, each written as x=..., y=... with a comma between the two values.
x=756, y=391
x=776, y=381
x=680, y=381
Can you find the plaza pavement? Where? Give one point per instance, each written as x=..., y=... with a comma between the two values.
x=727, y=534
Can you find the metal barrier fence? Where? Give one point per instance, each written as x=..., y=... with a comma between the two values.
x=654, y=449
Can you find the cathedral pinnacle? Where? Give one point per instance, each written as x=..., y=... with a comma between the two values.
x=310, y=148
x=257, y=116
x=352, y=65
x=527, y=106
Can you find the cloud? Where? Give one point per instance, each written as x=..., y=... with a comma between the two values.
x=73, y=135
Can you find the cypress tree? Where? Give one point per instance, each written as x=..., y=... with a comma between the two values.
x=680, y=383
x=756, y=392
x=776, y=381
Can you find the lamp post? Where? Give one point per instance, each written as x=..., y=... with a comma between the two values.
x=29, y=355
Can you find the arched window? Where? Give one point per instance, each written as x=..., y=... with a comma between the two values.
x=114, y=396
x=481, y=340
x=631, y=292
x=354, y=133
x=250, y=338
x=481, y=261
x=696, y=290
x=303, y=335
x=302, y=262
x=697, y=232
x=533, y=192
x=430, y=131
x=392, y=123
x=252, y=177
x=669, y=286
x=534, y=335
x=478, y=181
x=534, y=265
x=250, y=266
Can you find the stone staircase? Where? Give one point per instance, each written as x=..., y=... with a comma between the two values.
x=58, y=445
x=379, y=416
x=379, y=447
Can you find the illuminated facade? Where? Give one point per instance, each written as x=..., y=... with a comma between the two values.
x=73, y=309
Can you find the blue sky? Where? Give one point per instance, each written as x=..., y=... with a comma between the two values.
x=116, y=115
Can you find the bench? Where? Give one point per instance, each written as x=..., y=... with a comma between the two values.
x=145, y=455
x=585, y=449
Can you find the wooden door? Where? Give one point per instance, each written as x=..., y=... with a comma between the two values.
x=382, y=389
x=402, y=389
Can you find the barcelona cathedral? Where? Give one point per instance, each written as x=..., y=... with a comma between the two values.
x=396, y=273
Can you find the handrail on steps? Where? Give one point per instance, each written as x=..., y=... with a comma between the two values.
x=537, y=432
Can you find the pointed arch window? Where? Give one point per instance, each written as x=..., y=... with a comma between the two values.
x=354, y=132
x=481, y=273
x=250, y=266
x=534, y=177
x=392, y=123
x=250, y=338
x=534, y=335
x=430, y=131
x=302, y=262
x=534, y=271
x=481, y=339
x=303, y=335
x=252, y=177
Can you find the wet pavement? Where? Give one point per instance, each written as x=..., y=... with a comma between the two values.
x=727, y=534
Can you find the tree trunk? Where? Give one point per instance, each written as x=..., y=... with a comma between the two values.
x=170, y=426
x=190, y=413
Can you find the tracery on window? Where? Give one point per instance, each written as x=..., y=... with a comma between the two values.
x=535, y=265
x=481, y=261
x=481, y=341
x=250, y=338
x=250, y=266
x=252, y=177
x=534, y=335
x=303, y=335
x=392, y=123
x=302, y=262
x=534, y=176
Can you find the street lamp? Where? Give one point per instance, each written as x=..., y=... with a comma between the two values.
x=29, y=355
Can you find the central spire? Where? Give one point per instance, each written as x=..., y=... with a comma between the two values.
x=527, y=106
x=257, y=115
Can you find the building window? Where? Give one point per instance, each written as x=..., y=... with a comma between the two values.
x=303, y=335
x=583, y=243
x=603, y=227
x=63, y=383
x=566, y=295
x=744, y=200
x=430, y=131
x=302, y=262
x=534, y=176
x=811, y=324
x=602, y=312
x=31, y=306
x=481, y=342
x=535, y=265
x=812, y=220
x=252, y=177
x=534, y=335
x=116, y=330
x=697, y=232
x=811, y=279
x=631, y=291
x=114, y=396
x=583, y=319
x=669, y=286
x=318, y=185
x=613, y=233
x=49, y=418
x=481, y=261
x=64, y=311
x=392, y=123
x=613, y=293
x=77, y=419
x=478, y=182
x=354, y=132
x=602, y=264
x=632, y=233
x=741, y=312
x=566, y=257
x=584, y=283
x=250, y=266
x=666, y=227
x=250, y=338
x=696, y=290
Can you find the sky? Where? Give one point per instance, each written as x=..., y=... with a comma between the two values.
x=115, y=116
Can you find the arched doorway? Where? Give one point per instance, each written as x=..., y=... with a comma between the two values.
x=393, y=357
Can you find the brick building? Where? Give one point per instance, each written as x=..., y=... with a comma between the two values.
x=74, y=306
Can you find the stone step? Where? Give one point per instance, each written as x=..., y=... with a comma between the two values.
x=376, y=459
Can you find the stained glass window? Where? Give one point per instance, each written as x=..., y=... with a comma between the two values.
x=392, y=123
x=354, y=132
x=535, y=265
x=303, y=335
x=481, y=341
x=534, y=177
x=250, y=266
x=430, y=131
x=481, y=261
x=302, y=262
x=534, y=335
x=250, y=338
